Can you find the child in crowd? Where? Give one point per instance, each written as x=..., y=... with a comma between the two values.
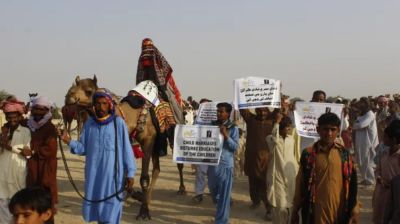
x=282, y=169
x=31, y=206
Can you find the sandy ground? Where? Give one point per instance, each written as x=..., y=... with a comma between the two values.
x=167, y=206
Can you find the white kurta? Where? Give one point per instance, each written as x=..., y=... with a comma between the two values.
x=12, y=170
x=282, y=170
x=366, y=135
x=13, y=164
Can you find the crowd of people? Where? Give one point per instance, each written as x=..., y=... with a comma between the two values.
x=317, y=182
x=318, y=176
x=28, y=157
x=295, y=178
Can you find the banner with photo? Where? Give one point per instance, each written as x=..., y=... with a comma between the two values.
x=306, y=116
x=197, y=144
x=255, y=92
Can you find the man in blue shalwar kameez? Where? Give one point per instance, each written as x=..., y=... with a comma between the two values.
x=97, y=143
x=220, y=177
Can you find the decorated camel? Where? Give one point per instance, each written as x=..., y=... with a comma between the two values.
x=81, y=93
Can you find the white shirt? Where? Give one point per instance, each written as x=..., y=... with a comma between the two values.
x=13, y=164
x=282, y=169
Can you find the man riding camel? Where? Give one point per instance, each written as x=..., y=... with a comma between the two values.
x=153, y=66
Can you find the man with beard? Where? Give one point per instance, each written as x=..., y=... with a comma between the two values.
x=42, y=166
x=14, y=149
x=110, y=165
x=258, y=127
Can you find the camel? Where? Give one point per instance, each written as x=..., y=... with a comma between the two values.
x=32, y=96
x=81, y=93
x=77, y=103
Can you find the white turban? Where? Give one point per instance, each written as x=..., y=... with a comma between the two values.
x=43, y=101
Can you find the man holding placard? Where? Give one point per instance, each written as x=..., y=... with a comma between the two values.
x=256, y=154
x=220, y=177
x=201, y=169
x=258, y=93
x=318, y=96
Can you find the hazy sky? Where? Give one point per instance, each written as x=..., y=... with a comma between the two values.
x=351, y=48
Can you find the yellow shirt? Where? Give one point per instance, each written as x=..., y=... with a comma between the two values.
x=329, y=198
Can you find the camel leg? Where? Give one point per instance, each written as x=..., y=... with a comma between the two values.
x=144, y=212
x=182, y=188
x=154, y=175
x=140, y=196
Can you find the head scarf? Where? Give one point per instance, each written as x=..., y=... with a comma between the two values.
x=151, y=56
x=44, y=102
x=13, y=106
x=108, y=96
x=162, y=75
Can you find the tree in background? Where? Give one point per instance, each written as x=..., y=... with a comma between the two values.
x=3, y=95
x=56, y=112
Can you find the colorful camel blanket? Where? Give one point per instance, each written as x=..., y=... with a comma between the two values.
x=165, y=116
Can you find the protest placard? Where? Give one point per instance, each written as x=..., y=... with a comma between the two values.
x=207, y=113
x=306, y=116
x=255, y=92
x=197, y=144
x=149, y=91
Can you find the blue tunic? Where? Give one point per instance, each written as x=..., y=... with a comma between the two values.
x=97, y=143
x=220, y=177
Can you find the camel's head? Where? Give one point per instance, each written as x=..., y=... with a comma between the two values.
x=81, y=91
x=33, y=95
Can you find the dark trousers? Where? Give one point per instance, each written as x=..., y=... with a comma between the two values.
x=258, y=191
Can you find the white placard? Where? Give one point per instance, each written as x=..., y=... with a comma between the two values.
x=255, y=92
x=197, y=144
x=306, y=116
x=149, y=91
x=207, y=113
